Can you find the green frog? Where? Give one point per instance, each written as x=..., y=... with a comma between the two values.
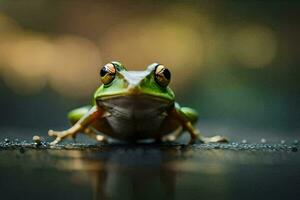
x=133, y=106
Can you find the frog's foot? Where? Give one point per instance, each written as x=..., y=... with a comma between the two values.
x=91, y=133
x=60, y=135
x=169, y=138
x=102, y=139
x=166, y=139
x=215, y=139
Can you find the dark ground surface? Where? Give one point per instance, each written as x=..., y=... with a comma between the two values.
x=83, y=170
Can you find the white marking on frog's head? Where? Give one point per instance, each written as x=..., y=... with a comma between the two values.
x=134, y=78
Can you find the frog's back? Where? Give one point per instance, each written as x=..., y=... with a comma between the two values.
x=134, y=117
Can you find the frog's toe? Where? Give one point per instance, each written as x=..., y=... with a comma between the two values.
x=215, y=139
x=59, y=135
x=51, y=133
x=93, y=134
x=169, y=138
x=57, y=140
x=101, y=138
x=54, y=133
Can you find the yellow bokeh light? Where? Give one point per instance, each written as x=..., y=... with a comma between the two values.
x=140, y=42
x=30, y=60
x=254, y=46
x=179, y=37
x=75, y=66
x=8, y=25
x=70, y=64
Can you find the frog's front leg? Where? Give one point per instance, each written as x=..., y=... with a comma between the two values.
x=75, y=115
x=187, y=117
x=81, y=125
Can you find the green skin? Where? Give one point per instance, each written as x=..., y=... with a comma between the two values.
x=92, y=119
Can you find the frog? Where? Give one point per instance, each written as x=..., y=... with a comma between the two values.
x=134, y=106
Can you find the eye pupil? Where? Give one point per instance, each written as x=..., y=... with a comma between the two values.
x=167, y=74
x=162, y=75
x=103, y=71
x=108, y=73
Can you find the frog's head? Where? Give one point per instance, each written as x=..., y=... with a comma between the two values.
x=118, y=81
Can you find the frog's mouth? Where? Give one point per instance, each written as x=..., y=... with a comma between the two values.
x=134, y=97
x=134, y=102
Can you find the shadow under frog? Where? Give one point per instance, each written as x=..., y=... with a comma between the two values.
x=131, y=172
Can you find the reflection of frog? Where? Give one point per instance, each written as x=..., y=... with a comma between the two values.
x=132, y=106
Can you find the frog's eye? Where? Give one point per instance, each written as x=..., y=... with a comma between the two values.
x=162, y=75
x=108, y=73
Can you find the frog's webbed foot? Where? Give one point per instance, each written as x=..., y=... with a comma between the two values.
x=60, y=135
x=169, y=138
x=196, y=138
x=173, y=136
x=93, y=134
x=186, y=116
x=215, y=139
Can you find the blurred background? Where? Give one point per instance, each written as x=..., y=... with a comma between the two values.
x=236, y=62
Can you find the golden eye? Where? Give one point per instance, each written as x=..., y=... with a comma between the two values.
x=162, y=75
x=108, y=73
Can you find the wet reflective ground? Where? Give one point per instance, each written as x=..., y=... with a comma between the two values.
x=122, y=171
